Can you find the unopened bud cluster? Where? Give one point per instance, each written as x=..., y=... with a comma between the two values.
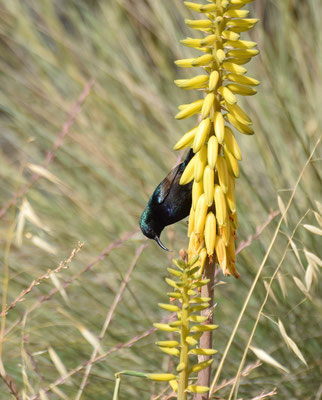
x=214, y=167
x=188, y=325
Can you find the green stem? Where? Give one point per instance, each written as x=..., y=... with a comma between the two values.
x=184, y=358
x=206, y=338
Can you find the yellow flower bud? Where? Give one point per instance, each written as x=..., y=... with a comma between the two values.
x=232, y=163
x=228, y=95
x=229, y=35
x=197, y=82
x=236, y=13
x=190, y=109
x=213, y=80
x=188, y=173
x=221, y=254
x=243, y=53
x=186, y=140
x=198, y=23
x=170, y=350
x=197, y=389
x=220, y=204
x=161, y=377
x=212, y=151
x=220, y=54
x=222, y=170
x=191, y=222
x=200, y=215
x=239, y=114
x=202, y=60
x=200, y=163
x=244, y=80
x=245, y=129
x=209, y=184
x=219, y=127
x=230, y=195
x=201, y=134
x=210, y=234
x=208, y=40
x=207, y=104
x=231, y=143
x=197, y=190
x=242, y=90
x=235, y=68
x=241, y=44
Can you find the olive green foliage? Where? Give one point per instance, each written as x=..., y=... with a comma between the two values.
x=117, y=149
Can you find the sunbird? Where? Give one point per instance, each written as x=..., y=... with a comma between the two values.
x=169, y=203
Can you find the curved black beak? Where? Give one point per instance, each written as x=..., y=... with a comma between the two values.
x=157, y=239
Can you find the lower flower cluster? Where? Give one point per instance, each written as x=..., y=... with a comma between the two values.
x=188, y=325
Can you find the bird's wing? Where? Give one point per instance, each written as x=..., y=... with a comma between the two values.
x=165, y=185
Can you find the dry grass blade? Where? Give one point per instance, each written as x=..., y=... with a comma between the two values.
x=265, y=357
x=290, y=343
x=313, y=258
x=318, y=218
x=57, y=362
x=281, y=206
x=302, y=287
x=313, y=229
x=270, y=292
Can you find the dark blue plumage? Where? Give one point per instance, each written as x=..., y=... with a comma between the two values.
x=169, y=203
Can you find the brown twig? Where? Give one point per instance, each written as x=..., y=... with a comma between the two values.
x=114, y=245
x=243, y=244
x=108, y=319
x=245, y=372
x=75, y=109
x=265, y=395
x=37, y=281
x=12, y=387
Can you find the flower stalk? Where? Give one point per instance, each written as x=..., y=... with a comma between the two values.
x=214, y=168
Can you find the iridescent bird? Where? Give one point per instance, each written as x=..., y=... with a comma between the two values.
x=169, y=203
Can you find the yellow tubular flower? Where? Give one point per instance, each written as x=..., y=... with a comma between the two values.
x=212, y=151
x=200, y=215
x=209, y=184
x=214, y=168
x=197, y=190
x=186, y=140
x=201, y=135
x=210, y=234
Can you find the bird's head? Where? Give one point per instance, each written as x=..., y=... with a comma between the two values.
x=151, y=228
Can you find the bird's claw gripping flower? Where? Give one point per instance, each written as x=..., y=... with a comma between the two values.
x=214, y=168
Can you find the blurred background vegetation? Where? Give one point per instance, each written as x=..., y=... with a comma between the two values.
x=103, y=164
